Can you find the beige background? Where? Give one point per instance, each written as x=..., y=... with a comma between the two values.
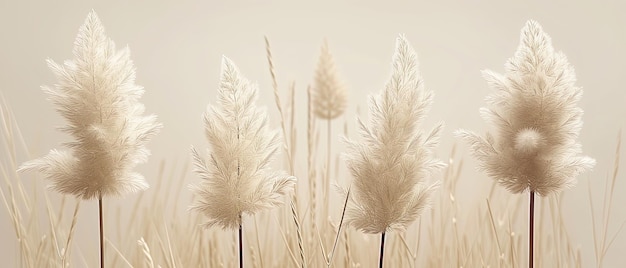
x=177, y=46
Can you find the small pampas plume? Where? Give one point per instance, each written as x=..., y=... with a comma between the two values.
x=236, y=178
x=392, y=164
x=329, y=102
x=97, y=96
x=537, y=120
x=329, y=95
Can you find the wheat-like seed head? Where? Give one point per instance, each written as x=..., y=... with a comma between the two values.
x=236, y=178
x=329, y=95
x=97, y=96
x=392, y=163
x=537, y=120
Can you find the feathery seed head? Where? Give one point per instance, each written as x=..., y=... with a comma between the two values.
x=392, y=164
x=534, y=109
x=236, y=177
x=97, y=96
x=329, y=95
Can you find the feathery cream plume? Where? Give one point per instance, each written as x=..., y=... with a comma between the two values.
x=329, y=98
x=537, y=120
x=392, y=164
x=329, y=95
x=236, y=178
x=97, y=96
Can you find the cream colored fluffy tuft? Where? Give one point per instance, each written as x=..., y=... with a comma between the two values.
x=236, y=177
x=329, y=94
x=97, y=96
x=393, y=162
x=537, y=120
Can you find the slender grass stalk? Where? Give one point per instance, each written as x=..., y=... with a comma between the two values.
x=240, y=218
x=240, y=245
x=268, y=52
x=382, y=250
x=531, y=232
x=145, y=249
x=311, y=172
x=327, y=177
x=298, y=234
x=343, y=214
x=68, y=245
x=258, y=242
x=493, y=227
x=101, y=233
x=121, y=256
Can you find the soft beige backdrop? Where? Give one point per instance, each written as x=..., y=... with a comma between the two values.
x=177, y=45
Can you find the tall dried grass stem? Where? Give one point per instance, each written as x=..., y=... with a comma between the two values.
x=286, y=145
x=531, y=231
x=339, y=227
x=382, y=250
x=101, y=224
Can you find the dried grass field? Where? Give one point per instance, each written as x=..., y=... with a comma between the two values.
x=312, y=157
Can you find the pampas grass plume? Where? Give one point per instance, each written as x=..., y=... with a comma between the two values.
x=236, y=177
x=537, y=121
x=97, y=96
x=329, y=95
x=392, y=163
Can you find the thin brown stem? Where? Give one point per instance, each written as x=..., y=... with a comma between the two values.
x=101, y=233
x=531, y=232
x=240, y=245
x=382, y=250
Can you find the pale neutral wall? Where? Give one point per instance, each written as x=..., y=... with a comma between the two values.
x=177, y=45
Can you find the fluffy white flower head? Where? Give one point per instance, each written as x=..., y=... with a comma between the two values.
x=97, y=96
x=537, y=120
x=392, y=163
x=528, y=141
x=236, y=178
